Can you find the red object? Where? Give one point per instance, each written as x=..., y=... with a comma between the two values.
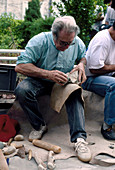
x=8, y=127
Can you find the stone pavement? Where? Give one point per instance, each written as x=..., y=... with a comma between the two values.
x=93, y=112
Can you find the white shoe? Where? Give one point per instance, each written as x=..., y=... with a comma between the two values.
x=82, y=150
x=37, y=134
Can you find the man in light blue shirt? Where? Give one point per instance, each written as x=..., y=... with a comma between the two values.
x=42, y=52
x=47, y=58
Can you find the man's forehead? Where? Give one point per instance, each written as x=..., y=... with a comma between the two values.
x=64, y=33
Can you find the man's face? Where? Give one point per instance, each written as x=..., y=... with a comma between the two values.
x=64, y=40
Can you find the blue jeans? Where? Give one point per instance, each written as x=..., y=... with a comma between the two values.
x=105, y=87
x=27, y=93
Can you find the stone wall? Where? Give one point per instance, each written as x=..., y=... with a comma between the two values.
x=16, y=7
x=19, y=7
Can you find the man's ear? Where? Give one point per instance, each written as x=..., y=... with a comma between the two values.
x=55, y=36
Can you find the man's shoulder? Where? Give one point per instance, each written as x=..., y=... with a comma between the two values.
x=40, y=38
x=79, y=40
x=101, y=35
x=43, y=35
x=101, y=39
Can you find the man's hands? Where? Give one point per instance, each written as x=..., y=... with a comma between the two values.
x=54, y=75
x=61, y=78
x=81, y=71
x=58, y=77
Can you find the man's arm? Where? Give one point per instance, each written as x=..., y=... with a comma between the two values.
x=106, y=22
x=31, y=70
x=104, y=70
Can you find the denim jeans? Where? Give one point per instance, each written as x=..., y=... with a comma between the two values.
x=27, y=93
x=104, y=86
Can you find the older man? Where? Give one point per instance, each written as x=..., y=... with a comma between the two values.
x=47, y=58
x=100, y=71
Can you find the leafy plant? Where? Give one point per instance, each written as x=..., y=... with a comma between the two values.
x=33, y=11
x=24, y=32
x=82, y=11
x=28, y=29
x=41, y=25
x=8, y=33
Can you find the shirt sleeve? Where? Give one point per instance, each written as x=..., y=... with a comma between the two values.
x=33, y=50
x=98, y=55
x=81, y=50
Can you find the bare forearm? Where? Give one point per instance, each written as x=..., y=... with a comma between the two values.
x=31, y=70
x=83, y=60
x=104, y=70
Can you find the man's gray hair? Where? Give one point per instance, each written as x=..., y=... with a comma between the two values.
x=66, y=23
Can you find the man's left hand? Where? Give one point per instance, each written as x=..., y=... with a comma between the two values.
x=81, y=70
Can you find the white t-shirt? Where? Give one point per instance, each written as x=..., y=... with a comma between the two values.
x=110, y=17
x=101, y=51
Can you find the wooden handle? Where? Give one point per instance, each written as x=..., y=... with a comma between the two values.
x=47, y=146
x=3, y=163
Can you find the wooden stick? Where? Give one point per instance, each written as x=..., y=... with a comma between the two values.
x=47, y=146
x=10, y=141
x=40, y=167
x=29, y=154
x=41, y=164
x=3, y=163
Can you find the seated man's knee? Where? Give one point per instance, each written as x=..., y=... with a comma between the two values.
x=21, y=92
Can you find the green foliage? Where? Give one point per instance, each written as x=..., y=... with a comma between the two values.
x=33, y=11
x=8, y=32
x=101, y=3
x=29, y=29
x=82, y=11
x=24, y=32
x=32, y=14
x=41, y=25
x=16, y=33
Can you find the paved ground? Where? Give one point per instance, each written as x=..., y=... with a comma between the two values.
x=93, y=111
x=69, y=164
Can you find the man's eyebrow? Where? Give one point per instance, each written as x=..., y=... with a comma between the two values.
x=66, y=41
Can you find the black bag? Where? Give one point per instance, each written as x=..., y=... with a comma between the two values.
x=104, y=26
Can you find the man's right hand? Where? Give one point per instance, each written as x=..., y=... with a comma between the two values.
x=31, y=70
x=58, y=77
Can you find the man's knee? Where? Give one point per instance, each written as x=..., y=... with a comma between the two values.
x=21, y=92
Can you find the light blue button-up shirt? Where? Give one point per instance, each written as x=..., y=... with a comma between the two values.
x=41, y=51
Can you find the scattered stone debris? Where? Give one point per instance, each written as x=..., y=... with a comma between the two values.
x=7, y=96
x=19, y=137
x=13, y=148
x=111, y=146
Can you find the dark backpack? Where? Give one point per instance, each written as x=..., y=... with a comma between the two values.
x=104, y=26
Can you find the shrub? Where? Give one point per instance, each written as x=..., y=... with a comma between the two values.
x=41, y=25
x=82, y=11
x=8, y=32
x=33, y=11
